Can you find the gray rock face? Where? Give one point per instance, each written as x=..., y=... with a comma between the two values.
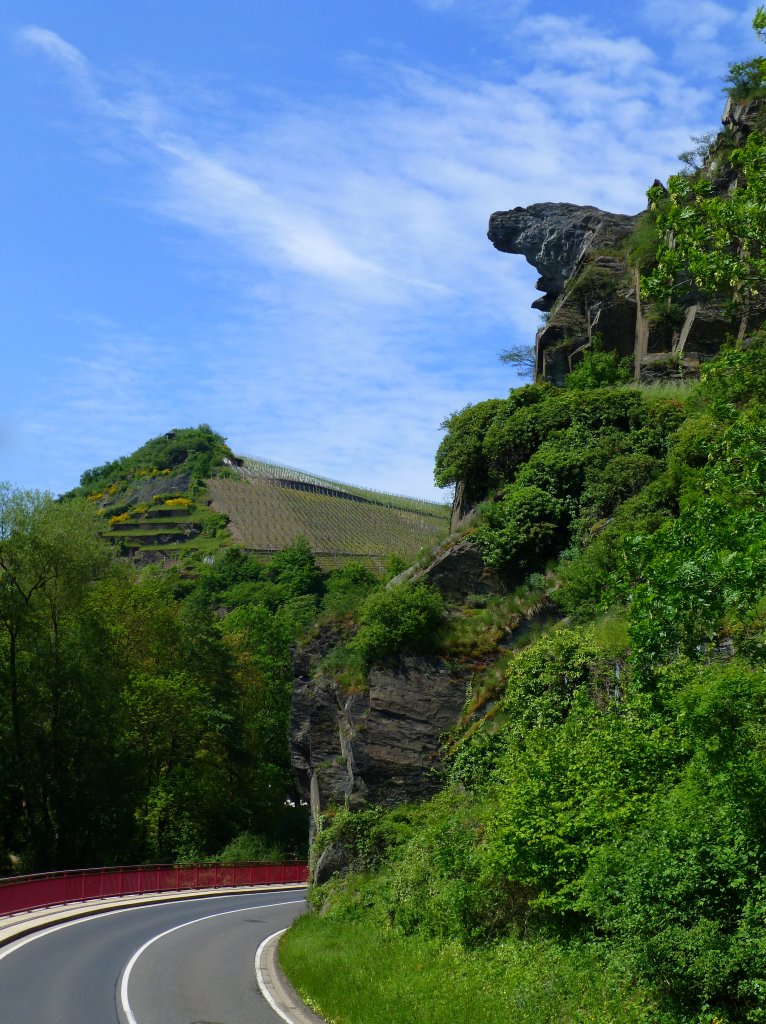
x=553, y=237
x=379, y=746
x=591, y=292
x=333, y=860
x=456, y=570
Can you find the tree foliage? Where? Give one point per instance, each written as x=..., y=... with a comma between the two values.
x=712, y=240
x=135, y=724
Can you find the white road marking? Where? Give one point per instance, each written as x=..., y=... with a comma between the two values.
x=18, y=943
x=126, y=1007
x=262, y=981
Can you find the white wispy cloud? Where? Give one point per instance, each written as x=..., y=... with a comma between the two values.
x=366, y=302
x=696, y=29
x=59, y=50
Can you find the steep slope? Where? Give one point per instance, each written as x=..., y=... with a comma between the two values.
x=597, y=849
x=185, y=496
x=269, y=506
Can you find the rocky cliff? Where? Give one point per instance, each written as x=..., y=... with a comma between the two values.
x=554, y=238
x=591, y=285
x=380, y=745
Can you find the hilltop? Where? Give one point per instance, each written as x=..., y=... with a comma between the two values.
x=185, y=495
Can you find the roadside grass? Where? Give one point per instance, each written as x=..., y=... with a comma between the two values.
x=362, y=974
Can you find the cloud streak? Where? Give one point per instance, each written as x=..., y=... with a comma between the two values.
x=366, y=303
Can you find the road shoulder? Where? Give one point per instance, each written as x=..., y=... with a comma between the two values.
x=275, y=987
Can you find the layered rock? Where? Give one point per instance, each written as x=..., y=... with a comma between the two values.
x=578, y=252
x=590, y=288
x=456, y=570
x=554, y=238
x=380, y=745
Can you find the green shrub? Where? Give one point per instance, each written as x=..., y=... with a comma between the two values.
x=459, y=457
x=746, y=80
x=346, y=588
x=215, y=524
x=407, y=618
x=600, y=574
x=522, y=530
x=369, y=836
x=565, y=790
x=598, y=369
x=641, y=246
x=248, y=847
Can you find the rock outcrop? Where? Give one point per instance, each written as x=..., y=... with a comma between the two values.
x=578, y=251
x=379, y=745
x=554, y=237
x=456, y=569
x=592, y=290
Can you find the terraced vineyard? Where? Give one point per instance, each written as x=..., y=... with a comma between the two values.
x=270, y=506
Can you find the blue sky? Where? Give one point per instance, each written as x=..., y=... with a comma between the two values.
x=271, y=216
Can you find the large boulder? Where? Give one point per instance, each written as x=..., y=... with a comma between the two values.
x=455, y=569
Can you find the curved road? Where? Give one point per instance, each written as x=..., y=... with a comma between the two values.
x=183, y=962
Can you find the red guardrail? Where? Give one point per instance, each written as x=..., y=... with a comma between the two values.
x=30, y=892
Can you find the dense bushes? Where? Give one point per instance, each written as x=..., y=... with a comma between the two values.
x=561, y=462
x=613, y=791
x=522, y=529
x=682, y=891
x=592, y=798
x=197, y=449
x=407, y=619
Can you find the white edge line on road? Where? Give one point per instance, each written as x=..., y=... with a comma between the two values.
x=41, y=932
x=131, y=1017
x=262, y=981
x=12, y=947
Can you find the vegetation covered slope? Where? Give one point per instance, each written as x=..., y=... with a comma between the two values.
x=269, y=506
x=604, y=806
x=185, y=496
x=154, y=503
x=144, y=709
x=598, y=851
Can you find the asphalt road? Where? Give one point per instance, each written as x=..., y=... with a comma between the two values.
x=167, y=963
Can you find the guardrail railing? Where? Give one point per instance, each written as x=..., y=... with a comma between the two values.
x=31, y=892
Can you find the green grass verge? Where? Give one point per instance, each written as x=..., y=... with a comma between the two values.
x=360, y=974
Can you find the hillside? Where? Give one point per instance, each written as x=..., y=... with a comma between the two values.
x=144, y=715
x=154, y=502
x=185, y=495
x=270, y=506
x=596, y=848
